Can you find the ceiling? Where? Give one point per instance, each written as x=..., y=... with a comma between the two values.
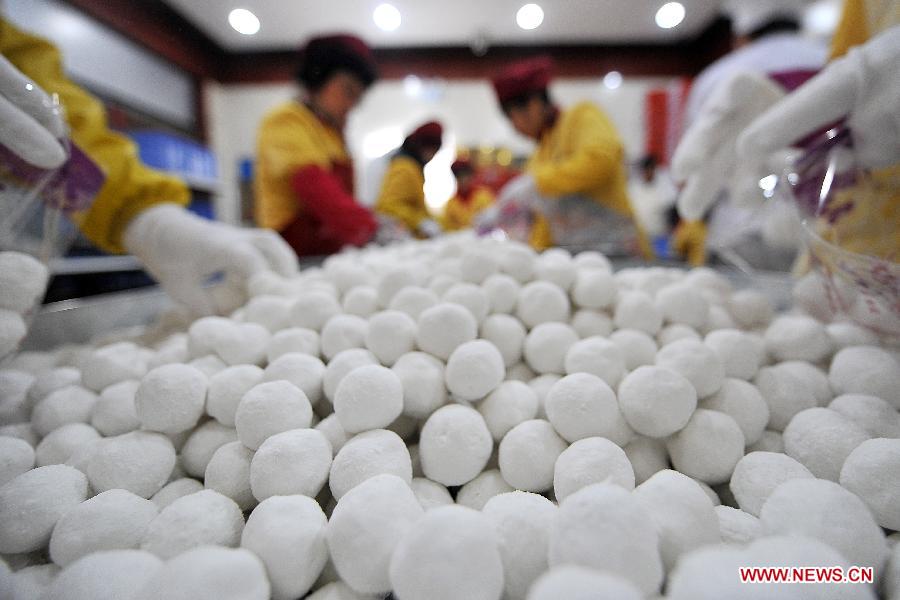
x=285, y=23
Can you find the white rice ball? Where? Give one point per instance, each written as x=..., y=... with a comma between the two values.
x=507, y=334
x=331, y=428
x=412, y=301
x=272, y=312
x=361, y=300
x=444, y=327
x=469, y=296
x=32, y=504
x=751, y=308
x=708, y=447
x=474, y=370
x=821, y=439
x=109, y=575
x=198, y=519
x=60, y=444
x=580, y=583
x=16, y=457
x=587, y=323
x=637, y=348
x=583, y=405
x=114, y=412
x=541, y=386
x=303, y=370
x=52, y=380
x=510, y=404
x=646, y=456
x=340, y=365
x=546, y=347
x=445, y=279
x=478, y=264
x=291, y=463
x=454, y=445
x=71, y=404
x=430, y=494
x=369, y=397
x=736, y=526
x=673, y=333
x=528, y=454
x=111, y=520
x=112, y=364
x=271, y=408
x=209, y=573
x=174, y=490
x=227, y=387
x=594, y=288
x=825, y=511
x=813, y=378
x=422, y=378
x=757, y=475
x=542, y=302
x=598, y=356
x=520, y=372
x=518, y=261
x=682, y=303
x=477, y=492
x=696, y=362
x=228, y=473
x=875, y=415
x=636, y=310
x=23, y=280
x=682, y=513
x=591, y=460
x=556, y=266
x=604, y=527
x=502, y=293
x=451, y=552
x=740, y=355
x=390, y=335
x=293, y=339
x=771, y=441
x=139, y=461
x=393, y=281
x=366, y=455
x=866, y=370
x=313, y=309
x=208, y=365
x=15, y=405
x=797, y=337
x=202, y=444
x=656, y=402
x=872, y=472
x=171, y=398
x=343, y=332
x=743, y=403
x=844, y=334
x=28, y=583
x=287, y=534
x=522, y=522
x=785, y=394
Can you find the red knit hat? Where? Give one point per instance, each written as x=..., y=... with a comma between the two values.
x=523, y=77
x=323, y=56
x=460, y=165
x=427, y=134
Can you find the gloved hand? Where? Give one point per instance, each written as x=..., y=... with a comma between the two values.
x=31, y=124
x=864, y=86
x=521, y=189
x=429, y=228
x=706, y=158
x=182, y=251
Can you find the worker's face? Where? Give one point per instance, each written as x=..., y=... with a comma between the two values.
x=339, y=95
x=428, y=153
x=529, y=117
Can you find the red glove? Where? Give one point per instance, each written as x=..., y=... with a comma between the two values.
x=341, y=218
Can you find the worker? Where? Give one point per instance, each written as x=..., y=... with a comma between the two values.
x=304, y=174
x=136, y=209
x=576, y=179
x=651, y=192
x=402, y=195
x=470, y=198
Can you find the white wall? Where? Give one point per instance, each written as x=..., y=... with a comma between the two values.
x=467, y=108
x=107, y=62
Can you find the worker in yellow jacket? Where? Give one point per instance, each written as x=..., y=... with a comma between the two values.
x=402, y=195
x=578, y=169
x=304, y=174
x=470, y=200
x=137, y=209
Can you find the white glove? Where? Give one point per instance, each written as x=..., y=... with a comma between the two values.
x=31, y=124
x=182, y=251
x=706, y=157
x=429, y=228
x=864, y=86
x=521, y=189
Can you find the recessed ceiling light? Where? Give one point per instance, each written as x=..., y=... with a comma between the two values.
x=243, y=21
x=670, y=15
x=530, y=16
x=612, y=80
x=386, y=17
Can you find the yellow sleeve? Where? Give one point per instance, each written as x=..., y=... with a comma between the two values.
x=453, y=218
x=590, y=152
x=285, y=143
x=402, y=193
x=689, y=241
x=860, y=21
x=130, y=187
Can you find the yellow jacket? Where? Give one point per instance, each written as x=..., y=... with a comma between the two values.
x=130, y=187
x=402, y=193
x=459, y=213
x=581, y=154
x=689, y=242
x=862, y=20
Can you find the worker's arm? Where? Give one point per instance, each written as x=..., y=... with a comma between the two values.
x=130, y=187
x=596, y=156
x=402, y=195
